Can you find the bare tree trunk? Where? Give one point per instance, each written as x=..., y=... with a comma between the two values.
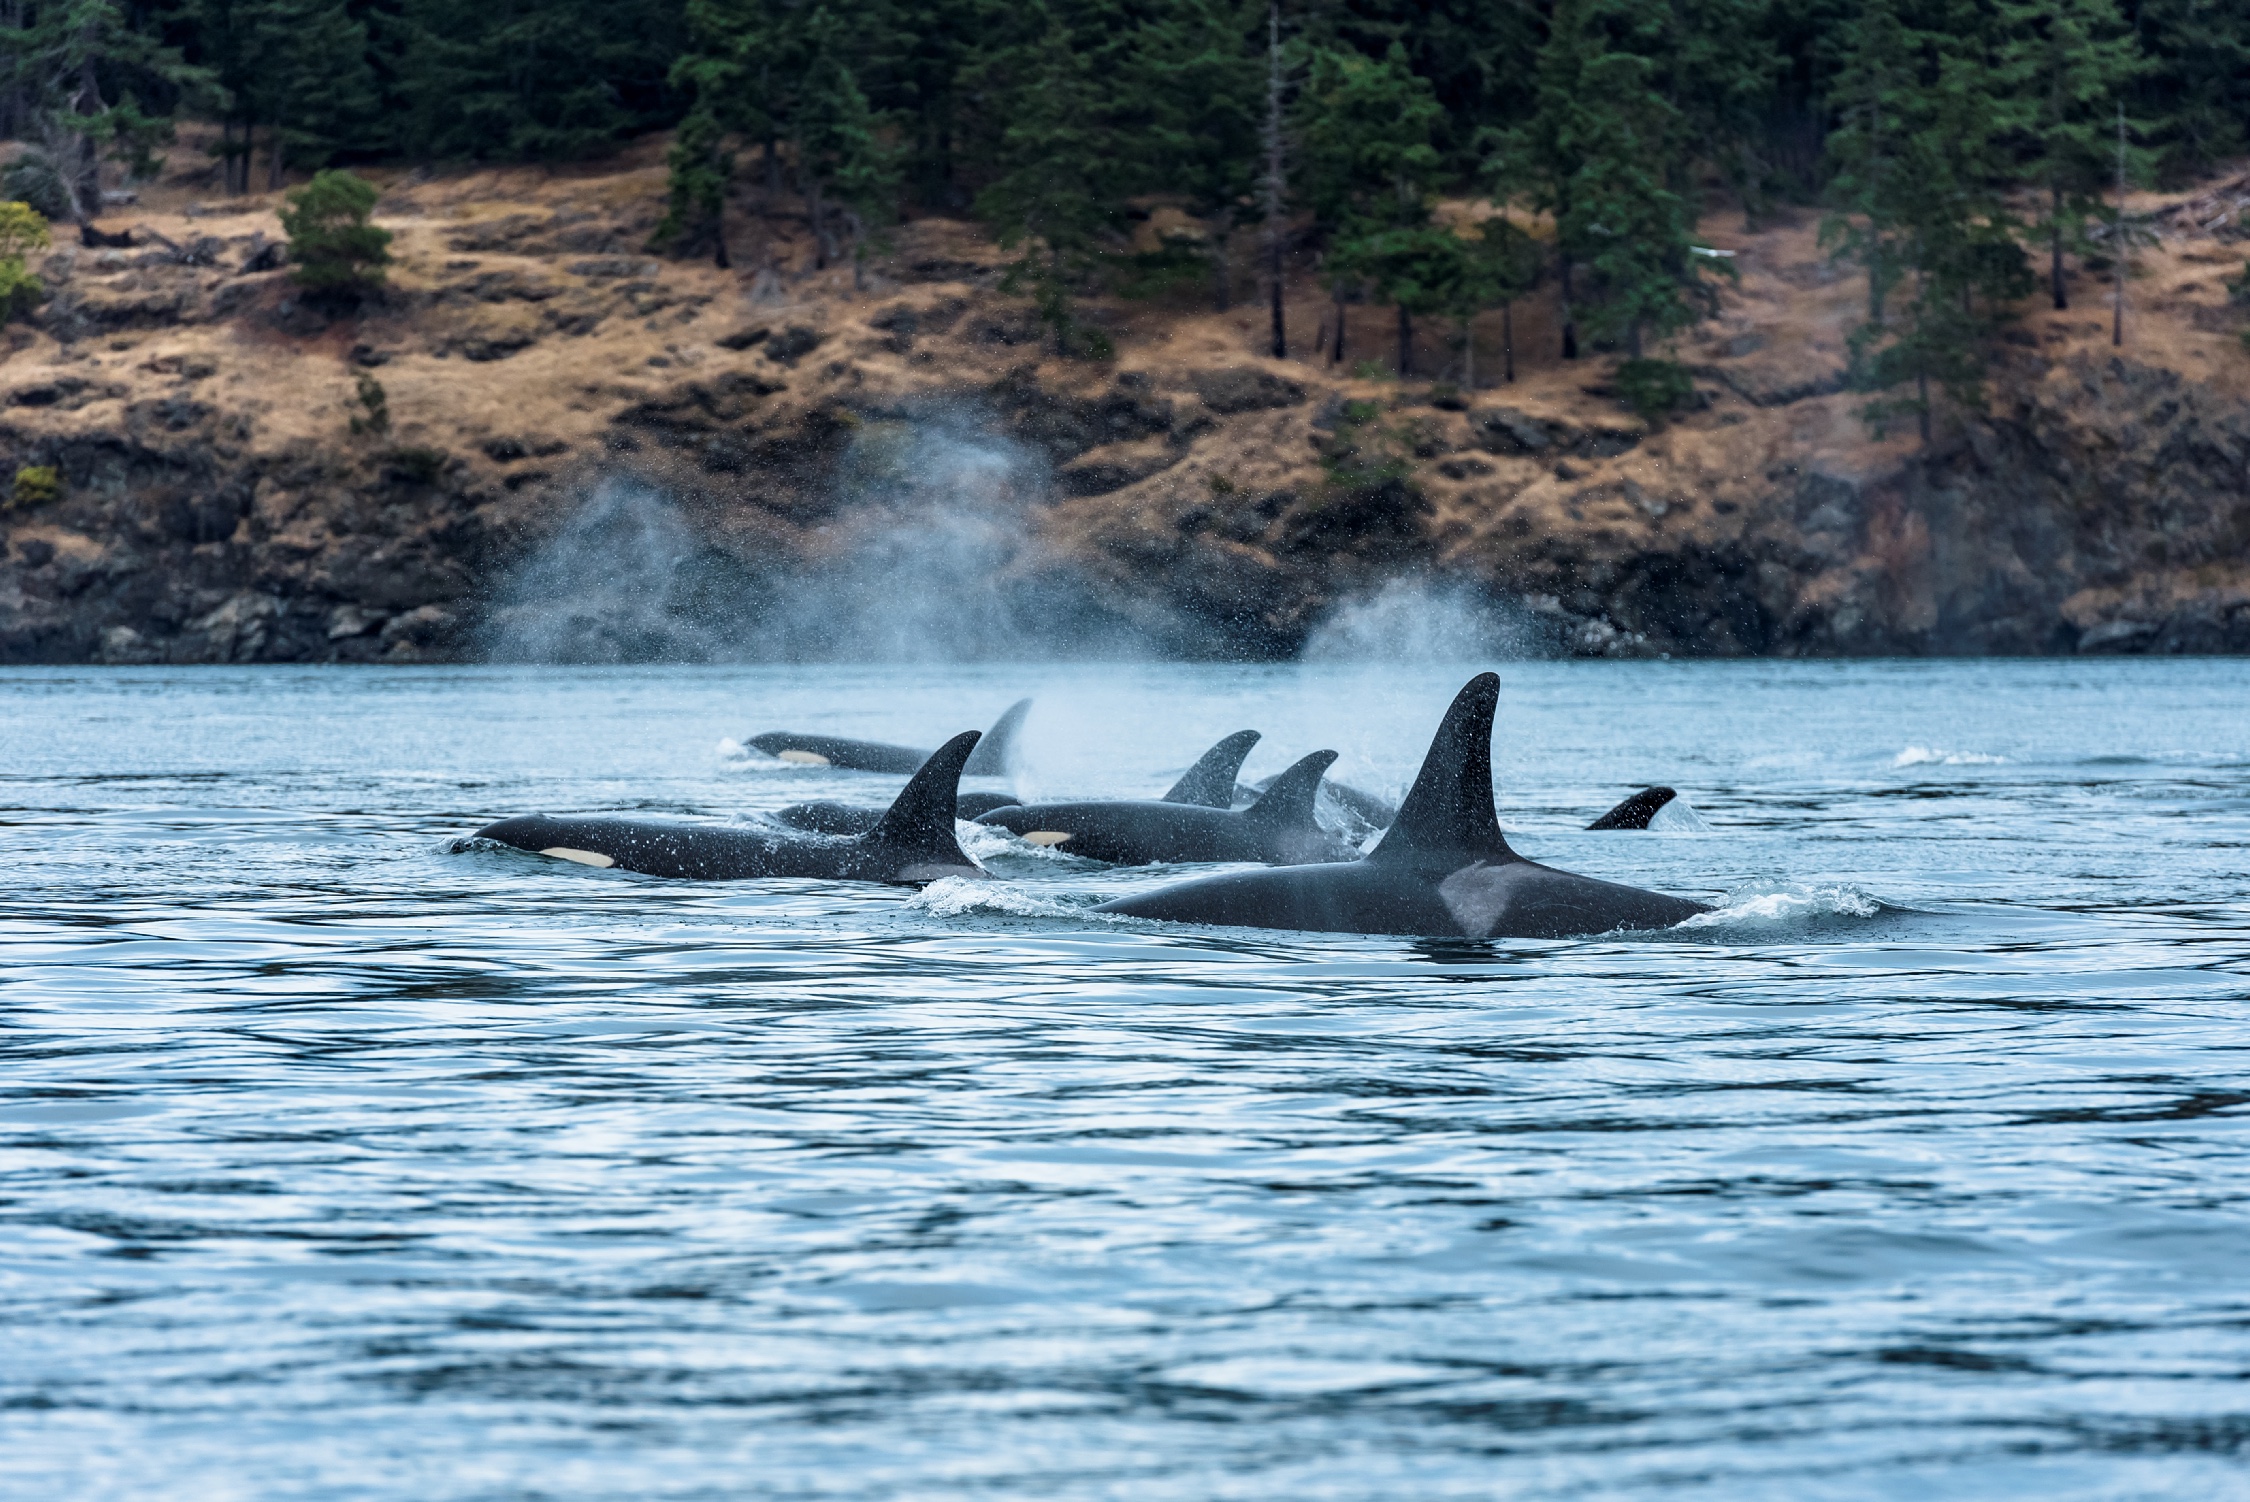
x=84, y=177
x=1405, y=343
x=1221, y=270
x=2062, y=294
x=719, y=232
x=1508, y=342
x=817, y=213
x=1273, y=185
x=2117, y=263
x=277, y=165
x=1339, y=356
x=1569, y=323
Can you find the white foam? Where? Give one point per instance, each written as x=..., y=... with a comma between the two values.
x=1678, y=817
x=1932, y=756
x=1788, y=907
x=960, y=896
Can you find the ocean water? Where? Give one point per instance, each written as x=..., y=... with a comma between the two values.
x=339, y=1162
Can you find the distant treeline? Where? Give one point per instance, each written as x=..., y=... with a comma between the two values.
x=1952, y=136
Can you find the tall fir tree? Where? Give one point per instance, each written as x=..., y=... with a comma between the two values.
x=2065, y=65
x=534, y=79
x=1366, y=132
x=847, y=170
x=2197, y=89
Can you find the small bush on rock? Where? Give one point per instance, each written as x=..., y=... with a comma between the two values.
x=36, y=485
x=32, y=179
x=335, y=249
x=1654, y=388
x=22, y=231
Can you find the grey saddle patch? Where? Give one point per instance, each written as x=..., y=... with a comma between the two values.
x=1478, y=895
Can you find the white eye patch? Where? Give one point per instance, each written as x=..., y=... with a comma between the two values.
x=582, y=857
x=804, y=758
x=1046, y=837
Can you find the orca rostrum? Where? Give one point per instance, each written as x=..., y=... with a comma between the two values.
x=912, y=843
x=991, y=759
x=1279, y=829
x=1210, y=782
x=1443, y=869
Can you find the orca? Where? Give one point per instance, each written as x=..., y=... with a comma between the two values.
x=1278, y=829
x=1443, y=870
x=1210, y=781
x=830, y=817
x=1369, y=810
x=991, y=759
x=1636, y=811
x=912, y=843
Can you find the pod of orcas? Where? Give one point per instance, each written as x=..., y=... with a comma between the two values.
x=1442, y=867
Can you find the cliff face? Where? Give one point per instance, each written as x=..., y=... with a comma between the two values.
x=246, y=478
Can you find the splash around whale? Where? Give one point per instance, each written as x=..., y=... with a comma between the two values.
x=1443, y=870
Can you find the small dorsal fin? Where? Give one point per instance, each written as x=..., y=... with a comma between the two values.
x=1448, y=812
x=1636, y=811
x=1210, y=782
x=920, y=820
x=1287, y=802
x=999, y=744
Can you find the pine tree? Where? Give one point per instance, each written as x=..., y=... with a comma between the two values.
x=2198, y=85
x=1495, y=264
x=1605, y=153
x=83, y=74
x=1920, y=183
x=2065, y=65
x=849, y=174
x=1370, y=172
x=1063, y=169
x=1192, y=90
x=534, y=79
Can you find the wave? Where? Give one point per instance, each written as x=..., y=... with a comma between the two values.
x=1779, y=908
x=1931, y=756
x=965, y=897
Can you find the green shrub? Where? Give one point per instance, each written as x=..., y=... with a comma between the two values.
x=334, y=248
x=22, y=231
x=36, y=485
x=1654, y=388
x=31, y=179
x=377, y=401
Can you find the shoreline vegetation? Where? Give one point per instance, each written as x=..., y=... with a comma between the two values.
x=1716, y=330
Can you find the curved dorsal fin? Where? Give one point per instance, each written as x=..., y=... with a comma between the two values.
x=999, y=743
x=1448, y=813
x=1287, y=802
x=1636, y=811
x=920, y=819
x=1210, y=782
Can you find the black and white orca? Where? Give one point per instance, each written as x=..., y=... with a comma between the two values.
x=1279, y=829
x=826, y=816
x=1443, y=869
x=1208, y=782
x=912, y=843
x=991, y=759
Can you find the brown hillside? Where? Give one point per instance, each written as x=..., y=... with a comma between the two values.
x=218, y=505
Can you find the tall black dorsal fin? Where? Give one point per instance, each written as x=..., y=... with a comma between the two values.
x=1448, y=812
x=1636, y=811
x=999, y=743
x=1287, y=802
x=1210, y=782
x=920, y=820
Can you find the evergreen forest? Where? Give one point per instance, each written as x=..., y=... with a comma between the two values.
x=1438, y=158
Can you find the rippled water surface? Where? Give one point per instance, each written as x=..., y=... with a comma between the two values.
x=335, y=1164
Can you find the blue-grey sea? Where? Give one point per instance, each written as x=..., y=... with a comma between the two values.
x=338, y=1161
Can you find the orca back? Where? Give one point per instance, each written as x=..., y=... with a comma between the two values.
x=1210, y=782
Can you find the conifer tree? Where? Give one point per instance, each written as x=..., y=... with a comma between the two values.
x=1370, y=172
x=2198, y=85
x=1920, y=184
x=1192, y=86
x=533, y=79
x=849, y=174
x=2065, y=64
x=1063, y=168
x=86, y=73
